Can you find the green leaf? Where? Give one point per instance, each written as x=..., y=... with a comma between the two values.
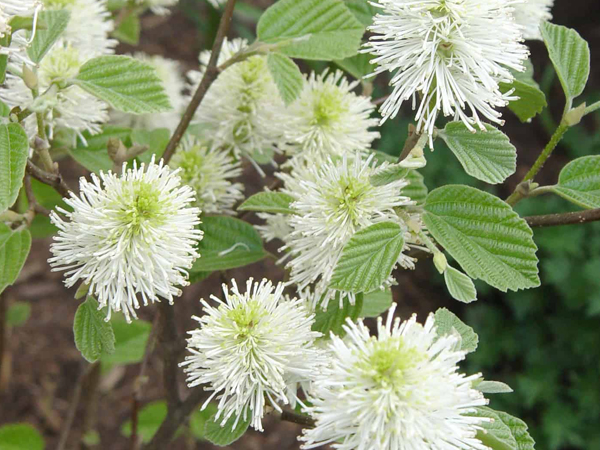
x=5, y=234
x=226, y=434
x=20, y=436
x=4, y=109
x=128, y=31
x=416, y=190
x=446, y=322
x=518, y=428
x=377, y=302
x=287, y=76
x=56, y=22
x=493, y=387
x=570, y=55
x=532, y=99
x=388, y=174
x=130, y=341
x=12, y=257
x=14, y=149
x=488, y=156
x=311, y=29
x=362, y=10
x=199, y=418
x=483, y=233
x=504, y=432
x=18, y=313
x=358, y=65
x=495, y=434
x=127, y=84
x=93, y=335
x=228, y=243
x=94, y=156
x=156, y=140
x=150, y=418
x=368, y=258
x=272, y=202
x=334, y=317
x=459, y=285
x=579, y=182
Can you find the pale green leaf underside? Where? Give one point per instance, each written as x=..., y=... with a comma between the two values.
x=579, y=182
x=14, y=148
x=12, y=257
x=493, y=387
x=518, y=428
x=228, y=243
x=150, y=417
x=334, y=317
x=271, y=202
x=488, y=156
x=363, y=10
x=358, y=65
x=226, y=434
x=368, y=258
x=416, y=190
x=388, y=174
x=93, y=335
x=311, y=29
x=377, y=302
x=459, y=285
x=287, y=76
x=483, y=233
x=127, y=84
x=56, y=22
x=446, y=322
x=570, y=55
x=130, y=341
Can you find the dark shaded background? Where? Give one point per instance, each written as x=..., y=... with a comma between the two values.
x=545, y=343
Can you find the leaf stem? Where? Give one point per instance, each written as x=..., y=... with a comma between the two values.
x=593, y=107
x=520, y=191
x=210, y=75
x=290, y=416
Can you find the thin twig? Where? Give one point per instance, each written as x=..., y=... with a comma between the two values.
x=593, y=107
x=290, y=416
x=168, y=343
x=521, y=189
x=66, y=429
x=175, y=419
x=571, y=218
x=209, y=76
x=54, y=180
x=136, y=397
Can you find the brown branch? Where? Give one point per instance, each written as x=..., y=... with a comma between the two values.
x=175, y=419
x=51, y=179
x=571, y=218
x=209, y=76
x=290, y=416
x=168, y=345
x=66, y=429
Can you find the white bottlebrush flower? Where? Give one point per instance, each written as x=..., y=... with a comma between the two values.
x=169, y=73
x=447, y=56
x=16, y=51
x=254, y=347
x=332, y=202
x=209, y=172
x=70, y=108
x=89, y=25
x=400, y=390
x=531, y=14
x=276, y=226
x=159, y=7
x=128, y=235
x=242, y=109
x=328, y=119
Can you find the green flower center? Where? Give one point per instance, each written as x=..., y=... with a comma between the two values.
x=390, y=362
x=245, y=318
x=349, y=196
x=60, y=63
x=141, y=203
x=328, y=107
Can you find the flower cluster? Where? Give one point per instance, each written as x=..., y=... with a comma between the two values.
x=16, y=51
x=447, y=56
x=252, y=347
x=530, y=14
x=331, y=203
x=399, y=390
x=128, y=235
